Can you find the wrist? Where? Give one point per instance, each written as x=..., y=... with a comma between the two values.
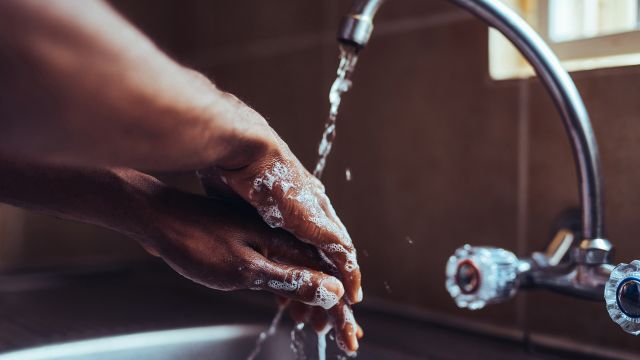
x=140, y=206
x=248, y=137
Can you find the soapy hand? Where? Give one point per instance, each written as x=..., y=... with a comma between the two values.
x=228, y=247
x=287, y=196
x=225, y=245
x=339, y=317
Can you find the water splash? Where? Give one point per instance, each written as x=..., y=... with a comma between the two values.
x=342, y=84
x=322, y=343
x=269, y=332
x=387, y=287
x=297, y=342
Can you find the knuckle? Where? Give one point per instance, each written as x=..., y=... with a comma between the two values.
x=291, y=281
x=250, y=276
x=345, y=256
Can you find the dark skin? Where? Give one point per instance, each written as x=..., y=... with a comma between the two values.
x=218, y=243
x=92, y=98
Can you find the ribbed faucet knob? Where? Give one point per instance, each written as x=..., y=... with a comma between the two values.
x=622, y=296
x=480, y=275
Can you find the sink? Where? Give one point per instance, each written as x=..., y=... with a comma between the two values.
x=152, y=313
x=207, y=342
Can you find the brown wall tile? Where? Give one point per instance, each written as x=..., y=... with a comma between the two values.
x=288, y=90
x=164, y=21
x=399, y=10
x=49, y=242
x=220, y=24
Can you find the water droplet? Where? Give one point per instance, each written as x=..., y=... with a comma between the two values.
x=365, y=253
x=409, y=239
x=297, y=342
x=347, y=174
x=387, y=287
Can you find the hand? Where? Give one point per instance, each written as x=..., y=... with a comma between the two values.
x=227, y=246
x=217, y=244
x=339, y=317
x=287, y=196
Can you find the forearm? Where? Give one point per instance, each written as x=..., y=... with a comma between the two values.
x=81, y=85
x=117, y=199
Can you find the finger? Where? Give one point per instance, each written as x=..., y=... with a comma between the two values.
x=282, y=301
x=296, y=283
x=319, y=319
x=288, y=197
x=215, y=184
x=345, y=327
x=299, y=312
x=286, y=249
x=310, y=216
x=360, y=332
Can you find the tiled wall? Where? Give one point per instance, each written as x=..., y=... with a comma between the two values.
x=439, y=153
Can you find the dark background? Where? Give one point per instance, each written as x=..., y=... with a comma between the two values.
x=438, y=151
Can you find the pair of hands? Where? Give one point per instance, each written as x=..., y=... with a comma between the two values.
x=132, y=106
x=269, y=226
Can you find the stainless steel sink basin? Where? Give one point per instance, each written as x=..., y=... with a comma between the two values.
x=210, y=342
x=126, y=314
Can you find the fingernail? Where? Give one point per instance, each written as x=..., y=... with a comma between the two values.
x=350, y=347
x=360, y=295
x=355, y=345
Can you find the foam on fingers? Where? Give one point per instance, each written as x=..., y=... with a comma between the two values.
x=307, y=286
x=326, y=298
x=346, y=328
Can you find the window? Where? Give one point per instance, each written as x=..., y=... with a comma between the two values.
x=584, y=34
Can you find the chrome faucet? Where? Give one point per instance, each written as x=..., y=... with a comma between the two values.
x=577, y=261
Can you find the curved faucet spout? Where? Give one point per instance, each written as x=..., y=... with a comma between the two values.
x=357, y=27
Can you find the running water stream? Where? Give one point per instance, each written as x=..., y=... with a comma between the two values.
x=322, y=343
x=297, y=341
x=269, y=332
x=342, y=84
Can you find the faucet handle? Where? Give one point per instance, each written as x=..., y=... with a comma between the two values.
x=622, y=296
x=480, y=275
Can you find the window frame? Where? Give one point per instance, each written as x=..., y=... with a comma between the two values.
x=602, y=51
x=615, y=44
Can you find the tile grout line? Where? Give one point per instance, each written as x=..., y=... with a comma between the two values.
x=523, y=167
x=522, y=194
